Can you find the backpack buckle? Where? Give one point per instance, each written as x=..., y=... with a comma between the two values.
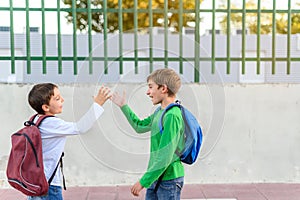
x=29, y=123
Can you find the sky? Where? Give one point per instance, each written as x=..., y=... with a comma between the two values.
x=51, y=18
x=35, y=18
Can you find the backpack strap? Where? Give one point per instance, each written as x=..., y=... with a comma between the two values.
x=62, y=171
x=39, y=121
x=161, y=128
x=157, y=110
x=53, y=174
x=171, y=105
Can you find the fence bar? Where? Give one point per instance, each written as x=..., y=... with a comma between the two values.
x=12, y=38
x=59, y=53
x=120, y=23
x=288, y=62
x=213, y=48
x=44, y=38
x=258, y=37
x=28, y=38
x=274, y=37
x=161, y=11
x=228, y=36
x=180, y=37
x=135, y=37
x=74, y=14
x=157, y=11
x=105, y=36
x=197, y=42
x=166, y=32
x=150, y=36
x=243, y=36
x=90, y=40
x=146, y=59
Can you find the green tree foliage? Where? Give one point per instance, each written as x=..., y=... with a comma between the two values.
x=265, y=21
x=128, y=15
x=236, y=20
x=282, y=24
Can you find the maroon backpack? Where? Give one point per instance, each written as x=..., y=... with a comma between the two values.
x=25, y=169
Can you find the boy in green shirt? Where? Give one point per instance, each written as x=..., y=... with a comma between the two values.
x=163, y=84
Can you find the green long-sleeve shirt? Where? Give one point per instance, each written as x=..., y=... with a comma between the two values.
x=163, y=146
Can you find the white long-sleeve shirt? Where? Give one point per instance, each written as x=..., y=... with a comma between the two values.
x=54, y=132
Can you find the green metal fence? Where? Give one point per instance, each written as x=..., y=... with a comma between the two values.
x=105, y=10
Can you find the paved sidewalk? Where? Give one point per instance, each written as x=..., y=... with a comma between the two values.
x=260, y=191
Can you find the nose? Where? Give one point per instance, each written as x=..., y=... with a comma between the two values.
x=62, y=99
x=148, y=92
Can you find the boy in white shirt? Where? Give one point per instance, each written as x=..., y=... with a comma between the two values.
x=45, y=99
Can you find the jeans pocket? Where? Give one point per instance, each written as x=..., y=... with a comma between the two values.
x=179, y=185
x=167, y=185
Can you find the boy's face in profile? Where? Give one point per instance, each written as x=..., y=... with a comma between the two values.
x=55, y=104
x=155, y=92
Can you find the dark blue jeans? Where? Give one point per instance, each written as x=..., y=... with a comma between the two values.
x=54, y=193
x=167, y=190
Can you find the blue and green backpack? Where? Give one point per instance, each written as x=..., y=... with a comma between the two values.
x=192, y=134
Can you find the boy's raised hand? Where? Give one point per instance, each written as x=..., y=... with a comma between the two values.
x=102, y=96
x=118, y=99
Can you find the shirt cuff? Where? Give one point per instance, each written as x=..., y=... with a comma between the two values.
x=97, y=109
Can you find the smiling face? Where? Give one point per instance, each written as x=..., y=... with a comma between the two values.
x=155, y=92
x=166, y=78
x=55, y=104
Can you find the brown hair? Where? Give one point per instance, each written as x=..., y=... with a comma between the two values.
x=166, y=77
x=39, y=95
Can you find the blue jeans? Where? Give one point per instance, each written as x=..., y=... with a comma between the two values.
x=54, y=193
x=167, y=190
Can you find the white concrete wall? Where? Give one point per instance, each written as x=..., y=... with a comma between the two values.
x=252, y=133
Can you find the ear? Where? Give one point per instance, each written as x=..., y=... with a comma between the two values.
x=164, y=88
x=45, y=108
